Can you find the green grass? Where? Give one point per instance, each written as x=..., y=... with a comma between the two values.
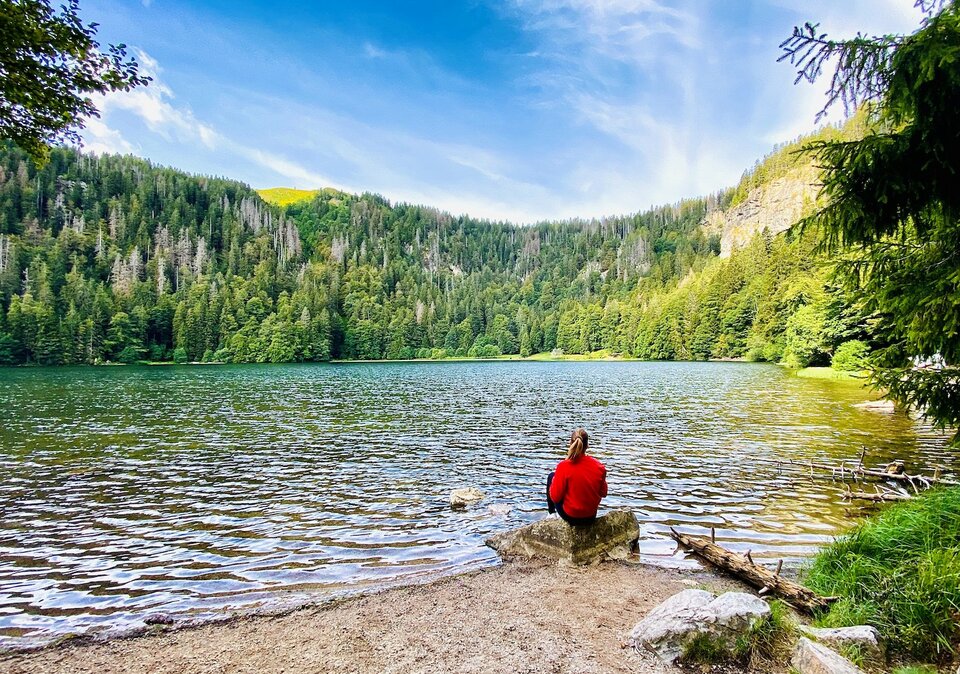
x=284, y=196
x=900, y=572
x=706, y=650
x=915, y=669
x=829, y=373
x=770, y=640
x=593, y=355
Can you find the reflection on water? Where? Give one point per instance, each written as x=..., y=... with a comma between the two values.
x=130, y=491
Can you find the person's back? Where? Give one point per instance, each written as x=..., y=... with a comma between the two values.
x=579, y=483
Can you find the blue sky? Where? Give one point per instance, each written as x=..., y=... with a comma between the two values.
x=523, y=110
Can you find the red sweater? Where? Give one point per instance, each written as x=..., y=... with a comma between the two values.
x=579, y=485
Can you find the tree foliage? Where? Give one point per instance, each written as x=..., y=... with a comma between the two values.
x=113, y=259
x=50, y=63
x=892, y=203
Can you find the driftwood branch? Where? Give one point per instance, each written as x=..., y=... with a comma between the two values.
x=743, y=567
x=878, y=497
x=857, y=471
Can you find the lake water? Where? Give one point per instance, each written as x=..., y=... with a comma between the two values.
x=131, y=491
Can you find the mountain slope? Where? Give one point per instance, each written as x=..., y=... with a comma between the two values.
x=112, y=258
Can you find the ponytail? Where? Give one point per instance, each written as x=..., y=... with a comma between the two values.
x=578, y=445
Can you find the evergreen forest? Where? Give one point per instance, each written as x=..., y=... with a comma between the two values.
x=113, y=259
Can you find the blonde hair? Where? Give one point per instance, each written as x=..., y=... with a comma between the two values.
x=578, y=445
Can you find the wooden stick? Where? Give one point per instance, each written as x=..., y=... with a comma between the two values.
x=876, y=498
x=759, y=577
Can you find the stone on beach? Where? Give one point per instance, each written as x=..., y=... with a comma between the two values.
x=611, y=535
x=863, y=637
x=809, y=657
x=461, y=498
x=670, y=628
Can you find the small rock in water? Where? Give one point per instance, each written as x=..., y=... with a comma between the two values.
x=810, y=657
x=883, y=406
x=460, y=498
x=500, y=509
x=158, y=619
x=670, y=628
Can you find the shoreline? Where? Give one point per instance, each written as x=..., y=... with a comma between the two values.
x=510, y=358
x=516, y=616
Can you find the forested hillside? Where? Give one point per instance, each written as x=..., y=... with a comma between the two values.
x=113, y=259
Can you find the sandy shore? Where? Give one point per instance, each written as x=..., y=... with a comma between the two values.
x=519, y=617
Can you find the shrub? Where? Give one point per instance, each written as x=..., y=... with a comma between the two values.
x=900, y=572
x=803, y=338
x=180, y=355
x=851, y=356
x=129, y=355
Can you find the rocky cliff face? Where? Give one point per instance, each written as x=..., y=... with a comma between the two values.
x=774, y=206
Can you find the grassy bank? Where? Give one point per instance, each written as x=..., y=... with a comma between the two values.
x=830, y=373
x=900, y=572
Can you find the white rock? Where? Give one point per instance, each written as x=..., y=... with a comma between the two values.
x=863, y=636
x=460, y=498
x=810, y=657
x=500, y=509
x=670, y=627
x=882, y=406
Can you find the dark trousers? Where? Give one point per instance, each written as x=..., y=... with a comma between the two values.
x=558, y=508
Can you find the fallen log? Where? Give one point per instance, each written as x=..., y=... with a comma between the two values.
x=744, y=568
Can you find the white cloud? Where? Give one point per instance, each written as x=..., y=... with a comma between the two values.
x=297, y=175
x=152, y=104
x=373, y=52
x=101, y=139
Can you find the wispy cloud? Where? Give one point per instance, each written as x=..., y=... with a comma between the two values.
x=539, y=109
x=154, y=106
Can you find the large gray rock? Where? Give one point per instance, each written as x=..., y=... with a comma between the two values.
x=809, y=657
x=863, y=637
x=611, y=535
x=673, y=625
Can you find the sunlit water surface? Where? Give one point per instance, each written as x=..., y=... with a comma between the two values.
x=127, y=492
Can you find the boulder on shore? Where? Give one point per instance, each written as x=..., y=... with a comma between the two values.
x=672, y=627
x=863, y=637
x=611, y=535
x=461, y=498
x=809, y=657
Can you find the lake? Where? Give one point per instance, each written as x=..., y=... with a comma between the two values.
x=128, y=491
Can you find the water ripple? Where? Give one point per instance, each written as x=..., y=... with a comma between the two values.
x=130, y=491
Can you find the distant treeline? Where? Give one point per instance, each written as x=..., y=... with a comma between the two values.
x=113, y=259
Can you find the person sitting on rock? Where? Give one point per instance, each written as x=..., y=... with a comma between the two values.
x=575, y=488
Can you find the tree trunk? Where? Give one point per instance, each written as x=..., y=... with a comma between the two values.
x=759, y=577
